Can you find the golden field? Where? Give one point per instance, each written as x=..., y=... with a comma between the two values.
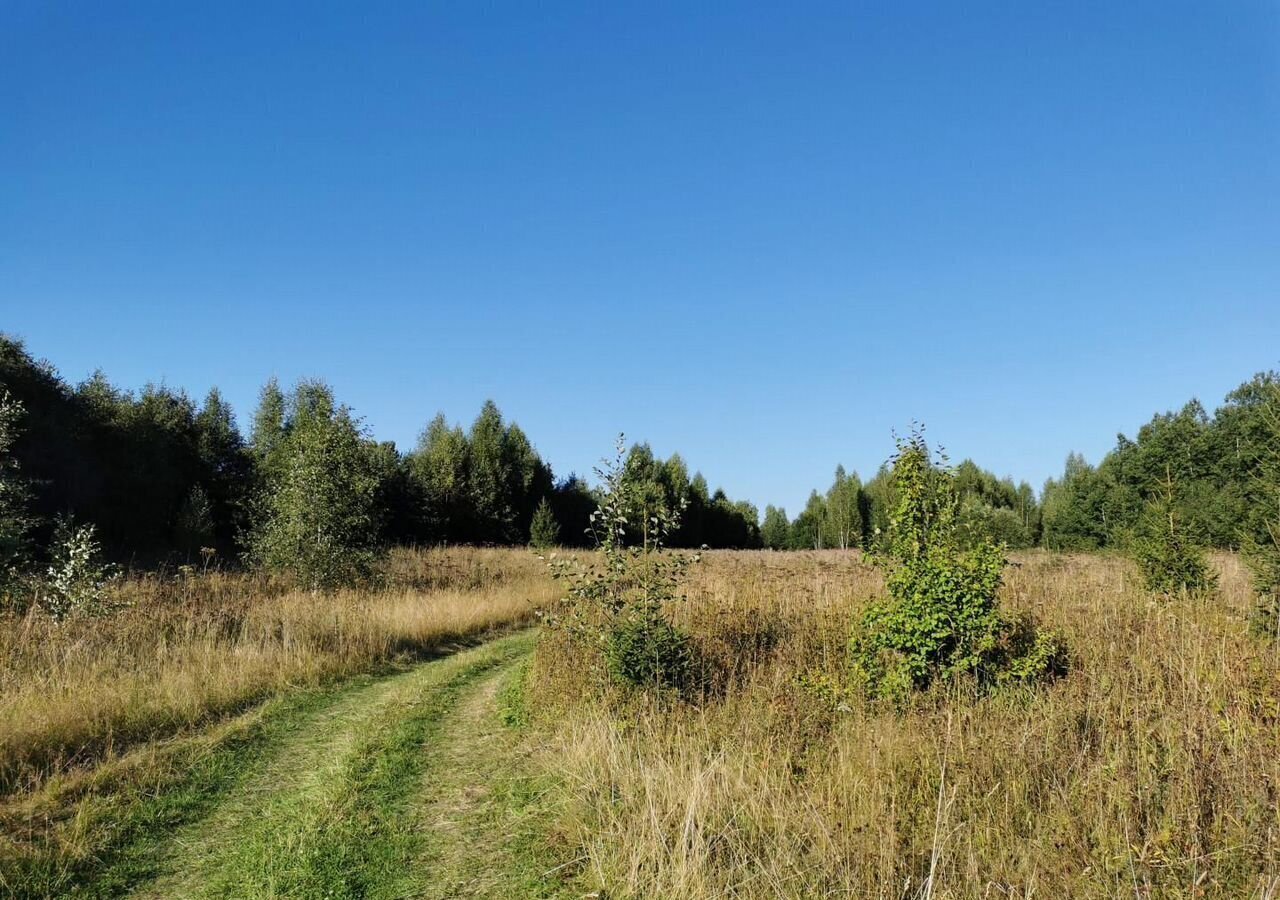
x=1151, y=770
x=185, y=651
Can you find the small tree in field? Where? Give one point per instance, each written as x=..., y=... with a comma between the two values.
x=1170, y=559
x=317, y=513
x=77, y=582
x=619, y=604
x=942, y=619
x=544, y=531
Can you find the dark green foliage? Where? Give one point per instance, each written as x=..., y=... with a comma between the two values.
x=1216, y=461
x=810, y=527
x=14, y=496
x=573, y=502
x=228, y=474
x=997, y=524
x=775, y=533
x=480, y=486
x=128, y=463
x=194, y=526
x=545, y=531
x=648, y=651
x=1172, y=562
x=852, y=514
x=941, y=620
x=708, y=519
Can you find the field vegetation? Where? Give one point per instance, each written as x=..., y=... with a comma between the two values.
x=95, y=707
x=1149, y=770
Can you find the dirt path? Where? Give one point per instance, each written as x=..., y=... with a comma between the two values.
x=403, y=787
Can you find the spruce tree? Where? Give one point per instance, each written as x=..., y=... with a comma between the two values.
x=544, y=530
x=1262, y=543
x=1168, y=555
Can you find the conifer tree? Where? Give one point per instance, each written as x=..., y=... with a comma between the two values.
x=544, y=530
x=1262, y=544
x=1171, y=560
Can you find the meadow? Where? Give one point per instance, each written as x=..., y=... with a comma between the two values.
x=100, y=712
x=1151, y=769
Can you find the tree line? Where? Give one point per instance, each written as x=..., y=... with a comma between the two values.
x=1215, y=468
x=851, y=514
x=164, y=478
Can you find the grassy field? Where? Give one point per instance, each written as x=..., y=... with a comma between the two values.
x=116, y=729
x=1151, y=770
x=224, y=736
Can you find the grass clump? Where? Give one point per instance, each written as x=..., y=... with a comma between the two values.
x=941, y=619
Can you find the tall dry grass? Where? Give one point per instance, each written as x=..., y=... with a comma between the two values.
x=186, y=651
x=1153, y=769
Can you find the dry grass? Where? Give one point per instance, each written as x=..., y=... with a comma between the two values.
x=1151, y=770
x=188, y=651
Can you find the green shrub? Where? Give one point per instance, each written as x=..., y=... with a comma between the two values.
x=619, y=604
x=648, y=651
x=941, y=619
x=77, y=582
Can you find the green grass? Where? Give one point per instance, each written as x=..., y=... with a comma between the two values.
x=126, y=818
x=314, y=794
x=488, y=817
x=332, y=815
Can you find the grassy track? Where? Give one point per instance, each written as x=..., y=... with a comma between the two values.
x=394, y=787
x=483, y=816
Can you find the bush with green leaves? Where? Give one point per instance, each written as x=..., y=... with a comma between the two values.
x=619, y=602
x=544, y=531
x=1172, y=562
x=941, y=620
x=77, y=582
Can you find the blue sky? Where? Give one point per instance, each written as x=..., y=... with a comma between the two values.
x=762, y=235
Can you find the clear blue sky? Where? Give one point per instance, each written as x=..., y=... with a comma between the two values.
x=760, y=235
